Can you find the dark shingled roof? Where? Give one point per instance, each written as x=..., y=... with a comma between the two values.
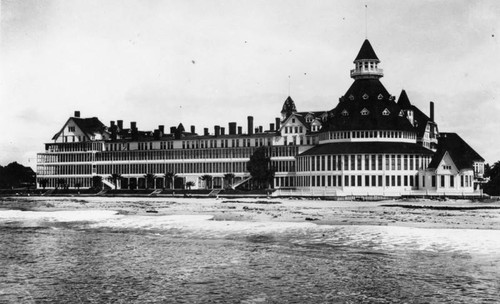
x=404, y=101
x=460, y=152
x=89, y=126
x=367, y=147
x=366, y=52
x=371, y=95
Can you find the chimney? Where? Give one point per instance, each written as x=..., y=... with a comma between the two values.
x=260, y=129
x=172, y=130
x=432, y=110
x=232, y=128
x=193, y=130
x=250, y=125
x=120, y=124
x=133, y=127
x=240, y=130
x=77, y=114
x=277, y=123
x=113, y=130
x=161, y=128
x=222, y=131
x=271, y=127
x=256, y=130
x=205, y=131
x=156, y=134
x=217, y=130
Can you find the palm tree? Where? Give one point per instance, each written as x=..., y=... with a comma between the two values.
x=208, y=180
x=115, y=177
x=150, y=179
x=60, y=182
x=170, y=176
x=43, y=182
x=189, y=185
x=229, y=177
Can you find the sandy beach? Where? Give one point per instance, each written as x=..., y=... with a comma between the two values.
x=457, y=214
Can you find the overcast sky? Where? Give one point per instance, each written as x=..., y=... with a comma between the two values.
x=207, y=63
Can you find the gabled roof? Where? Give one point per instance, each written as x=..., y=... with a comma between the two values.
x=460, y=152
x=89, y=126
x=404, y=101
x=366, y=52
x=421, y=121
x=367, y=147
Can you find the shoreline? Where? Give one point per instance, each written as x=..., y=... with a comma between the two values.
x=451, y=214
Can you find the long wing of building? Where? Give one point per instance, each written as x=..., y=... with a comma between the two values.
x=367, y=144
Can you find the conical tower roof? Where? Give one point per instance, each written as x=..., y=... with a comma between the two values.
x=366, y=52
x=404, y=101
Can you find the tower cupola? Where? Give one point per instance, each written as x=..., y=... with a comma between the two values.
x=366, y=63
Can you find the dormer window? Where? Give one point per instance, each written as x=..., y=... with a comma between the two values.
x=365, y=112
x=351, y=97
x=365, y=96
x=386, y=112
x=345, y=113
x=380, y=96
x=401, y=113
x=309, y=118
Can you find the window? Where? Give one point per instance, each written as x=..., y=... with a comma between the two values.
x=293, y=120
x=351, y=97
x=71, y=128
x=442, y=180
x=452, y=182
x=365, y=96
x=365, y=112
x=380, y=96
x=386, y=112
x=433, y=181
x=345, y=113
x=446, y=167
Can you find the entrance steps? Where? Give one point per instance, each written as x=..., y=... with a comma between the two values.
x=156, y=192
x=214, y=192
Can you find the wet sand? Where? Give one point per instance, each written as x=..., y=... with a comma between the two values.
x=458, y=214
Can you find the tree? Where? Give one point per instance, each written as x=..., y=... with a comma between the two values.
x=260, y=168
x=150, y=180
x=60, y=182
x=493, y=185
x=43, y=182
x=169, y=176
x=115, y=177
x=189, y=185
x=15, y=175
x=207, y=178
x=229, y=178
x=97, y=182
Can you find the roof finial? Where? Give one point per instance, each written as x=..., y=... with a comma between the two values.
x=366, y=21
x=289, y=85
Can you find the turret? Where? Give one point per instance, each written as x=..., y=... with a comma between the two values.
x=366, y=63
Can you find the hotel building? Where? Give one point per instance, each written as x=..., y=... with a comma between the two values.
x=370, y=143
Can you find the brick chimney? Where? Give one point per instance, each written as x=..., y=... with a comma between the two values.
x=250, y=125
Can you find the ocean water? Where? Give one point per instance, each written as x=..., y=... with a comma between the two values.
x=96, y=256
